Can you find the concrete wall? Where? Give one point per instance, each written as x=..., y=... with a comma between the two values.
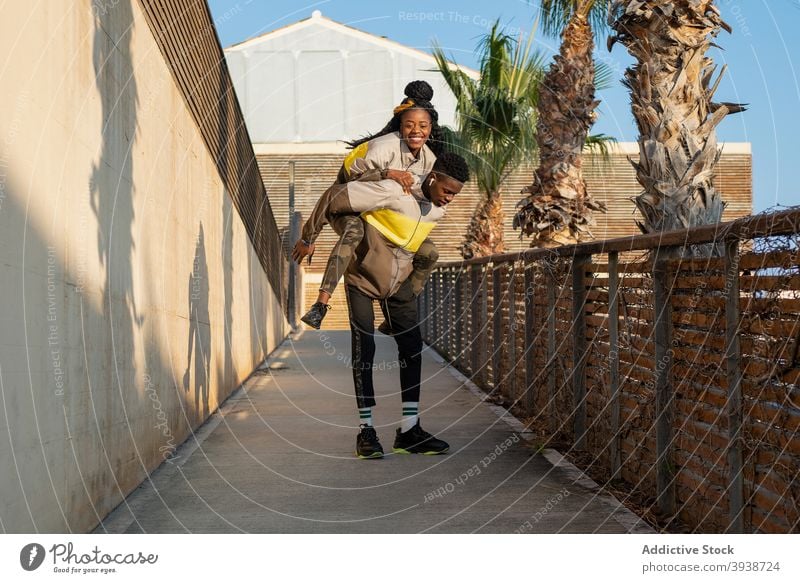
x=132, y=301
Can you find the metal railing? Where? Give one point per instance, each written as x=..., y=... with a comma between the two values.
x=680, y=376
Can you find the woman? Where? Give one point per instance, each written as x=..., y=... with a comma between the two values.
x=402, y=151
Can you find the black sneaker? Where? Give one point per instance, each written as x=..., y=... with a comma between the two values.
x=316, y=314
x=417, y=440
x=385, y=328
x=367, y=444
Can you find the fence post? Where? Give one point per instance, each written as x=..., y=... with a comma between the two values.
x=429, y=310
x=498, y=299
x=441, y=311
x=483, y=332
x=291, y=281
x=434, y=313
x=421, y=312
x=579, y=348
x=551, y=353
x=451, y=314
x=439, y=308
x=512, y=332
x=474, y=278
x=734, y=403
x=426, y=310
x=479, y=341
x=664, y=394
x=294, y=296
x=444, y=308
x=530, y=338
x=459, y=306
x=613, y=360
x=432, y=310
x=466, y=333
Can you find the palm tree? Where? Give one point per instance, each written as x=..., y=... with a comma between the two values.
x=671, y=90
x=496, y=126
x=558, y=209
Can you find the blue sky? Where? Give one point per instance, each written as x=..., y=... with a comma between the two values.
x=762, y=55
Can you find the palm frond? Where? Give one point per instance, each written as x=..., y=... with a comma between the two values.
x=603, y=75
x=599, y=144
x=461, y=84
x=496, y=115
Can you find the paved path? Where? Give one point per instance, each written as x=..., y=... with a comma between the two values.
x=278, y=457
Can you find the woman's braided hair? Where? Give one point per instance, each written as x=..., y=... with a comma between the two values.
x=418, y=96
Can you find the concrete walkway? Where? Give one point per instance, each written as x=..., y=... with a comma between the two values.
x=278, y=457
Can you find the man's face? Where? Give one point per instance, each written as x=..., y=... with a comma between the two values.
x=443, y=188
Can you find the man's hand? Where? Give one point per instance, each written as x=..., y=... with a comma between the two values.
x=301, y=250
x=404, y=179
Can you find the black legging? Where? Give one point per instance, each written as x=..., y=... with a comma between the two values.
x=400, y=311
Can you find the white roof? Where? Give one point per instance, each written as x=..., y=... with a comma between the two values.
x=318, y=80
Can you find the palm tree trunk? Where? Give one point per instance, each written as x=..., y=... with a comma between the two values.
x=671, y=94
x=485, y=232
x=558, y=209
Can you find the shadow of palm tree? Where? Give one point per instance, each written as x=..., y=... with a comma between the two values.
x=111, y=180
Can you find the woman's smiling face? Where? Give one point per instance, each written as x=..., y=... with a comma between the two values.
x=415, y=128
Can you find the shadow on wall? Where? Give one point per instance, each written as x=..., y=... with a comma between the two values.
x=229, y=368
x=199, y=349
x=111, y=180
x=223, y=164
x=111, y=353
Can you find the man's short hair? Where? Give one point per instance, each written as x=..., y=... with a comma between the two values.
x=452, y=165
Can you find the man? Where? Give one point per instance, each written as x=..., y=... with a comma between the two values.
x=395, y=226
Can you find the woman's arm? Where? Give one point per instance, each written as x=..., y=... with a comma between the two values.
x=373, y=161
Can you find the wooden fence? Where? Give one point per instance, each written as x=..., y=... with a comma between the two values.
x=680, y=377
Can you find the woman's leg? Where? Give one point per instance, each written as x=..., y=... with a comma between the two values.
x=424, y=262
x=351, y=230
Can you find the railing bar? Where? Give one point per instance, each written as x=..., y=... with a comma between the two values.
x=781, y=223
x=579, y=349
x=665, y=490
x=551, y=353
x=734, y=402
x=613, y=362
x=530, y=338
x=497, y=326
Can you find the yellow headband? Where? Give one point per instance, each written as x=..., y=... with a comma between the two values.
x=404, y=106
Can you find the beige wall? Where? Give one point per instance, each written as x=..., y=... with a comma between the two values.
x=131, y=302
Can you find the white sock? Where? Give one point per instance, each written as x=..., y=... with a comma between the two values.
x=365, y=416
x=410, y=415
